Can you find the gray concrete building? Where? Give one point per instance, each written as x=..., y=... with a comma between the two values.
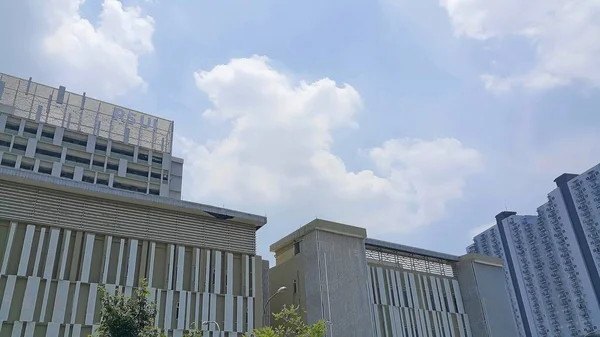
x=365, y=287
x=89, y=197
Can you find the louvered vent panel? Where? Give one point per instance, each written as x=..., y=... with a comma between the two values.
x=56, y=208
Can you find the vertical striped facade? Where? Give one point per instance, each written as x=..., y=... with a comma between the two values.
x=49, y=281
x=411, y=304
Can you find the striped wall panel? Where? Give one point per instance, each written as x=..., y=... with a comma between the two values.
x=97, y=215
x=407, y=304
x=51, y=279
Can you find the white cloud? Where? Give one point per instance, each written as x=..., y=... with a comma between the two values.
x=565, y=34
x=278, y=151
x=480, y=229
x=102, y=58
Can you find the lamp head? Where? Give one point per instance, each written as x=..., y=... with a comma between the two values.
x=281, y=289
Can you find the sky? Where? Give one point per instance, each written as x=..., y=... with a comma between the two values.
x=418, y=120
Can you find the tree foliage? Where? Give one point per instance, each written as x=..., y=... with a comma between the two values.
x=128, y=316
x=291, y=325
x=133, y=316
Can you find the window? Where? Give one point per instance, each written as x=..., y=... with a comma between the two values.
x=295, y=287
x=78, y=160
x=19, y=147
x=73, y=140
x=128, y=187
x=102, y=181
x=154, y=191
x=45, y=169
x=8, y=162
x=88, y=179
x=100, y=147
x=117, y=150
x=27, y=165
x=296, y=247
x=13, y=126
x=66, y=174
x=4, y=144
x=48, y=153
x=46, y=133
x=142, y=157
x=137, y=172
x=30, y=130
x=157, y=160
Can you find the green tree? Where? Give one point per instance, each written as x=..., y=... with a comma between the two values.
x=128, y=316
x=291, y=325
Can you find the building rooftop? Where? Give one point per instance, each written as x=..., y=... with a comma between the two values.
x=56, y=106
x=322, y=225
x=411, y=250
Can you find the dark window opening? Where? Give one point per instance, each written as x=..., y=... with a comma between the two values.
x=4, y=143
x=8, y=162
x=71, y=140
x=100, y=147
x=19, y=147
x=65, y=174
x=102, y=182
x=88, y=179
x=98, y=163
x=166, y=177
x=154, y=192
x=26, y=166
x=295, y=287
x=142, y=156
x=14, y=127
x=30, y=130
x=121, y=151
x=297, y=248
x=77, y=159
x=45, y=170
x=48, y=153
x=137, y=172
x=128, y=187
x=113, y=167
x=155, y=175
x=47, y=134
x=157, y=160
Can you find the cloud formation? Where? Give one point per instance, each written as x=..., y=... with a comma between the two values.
x=563, y=33
x=101, y=58
x=278, y=151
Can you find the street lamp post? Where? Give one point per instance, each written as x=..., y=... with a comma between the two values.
x=281, y=289
x=213, y=322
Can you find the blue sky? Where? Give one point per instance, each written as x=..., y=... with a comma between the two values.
x=419, y=120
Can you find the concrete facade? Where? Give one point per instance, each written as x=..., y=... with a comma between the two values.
x=486, y=301
x=364, y=287
x=62, y=235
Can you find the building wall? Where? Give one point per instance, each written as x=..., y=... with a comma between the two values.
x=112, y=214
x=585, y=191
x=416, y=304
x=489, y=309
x=489, y=243
x=335, y=282
x=49, y=279
x=60, y=152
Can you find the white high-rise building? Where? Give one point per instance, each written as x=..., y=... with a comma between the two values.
x=552, y=259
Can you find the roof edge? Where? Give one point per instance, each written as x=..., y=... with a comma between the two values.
x=33, y=178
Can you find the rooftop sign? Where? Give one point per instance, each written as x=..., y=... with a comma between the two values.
x=58, y=107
